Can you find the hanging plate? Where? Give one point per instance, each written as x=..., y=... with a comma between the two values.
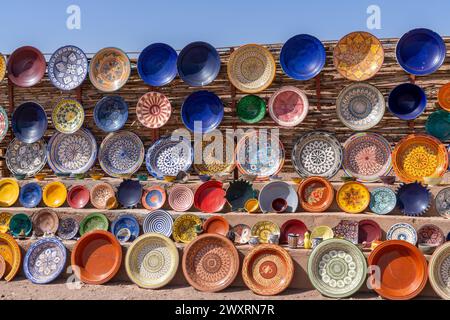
x=67, y=68
x=68, y=116
x=26, y=158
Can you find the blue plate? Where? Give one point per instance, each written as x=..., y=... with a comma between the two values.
x=157, y=64
x=45, y=260
x=126, y=221
x=438, y=125
x=129, y=193
x=407, y=101
x=382, y=200
x=30, y=195
x=421, y=52
x=302, y=57
x=29, y=122
x=111, y=113
x=413, y=199
x=198, y=64
x=203, y=107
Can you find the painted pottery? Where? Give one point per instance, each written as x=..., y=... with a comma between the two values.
x=100, y=193
x=68, y=116
x=153, y=110
x=5, y=218
x=210, y=197
x=368, y=232
x=323, y=232
x=129, y=193
x=382, y=200
x=402, y=231
x=125, y=221
x=278, y=190
x=293, y=226
x=413, y=199
x=347, y=230
x=438, y=271
x=238, y=193
x=4, y=123
x=407, y=101
x=316, y=194
x=10, y=251
x=26, y=66
x=184, y=228
x=288, y=106
x=93, y=222
x=54, y=194
x=67, y=68
x=216, y=225
x=442, y=202
x=153, y=198
x=19, y=224
x=9, y=192
x=444, y=97
x=30, y=195
x=242, y=233
x=78, y=197
x=157, y=64
x=45, y=221
x=353, y=197
x=438, y=125
x=158, y=221
x=430, y=234
x=67, y=228
x=181, y=198
x=111, y=113
x=251, y=109
x=263, y=229
x=202, y=111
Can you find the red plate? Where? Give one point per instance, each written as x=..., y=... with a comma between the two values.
x=216, y=225
x=292, y=226
x=368, y=231
x=210, y=197
x=78, y=197
x=403, y=269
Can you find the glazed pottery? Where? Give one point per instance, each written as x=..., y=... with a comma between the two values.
x=168, y=156
x=368, y=232
x=402, y=231
x=238, y=193
x=444, y=97
x=30, y=195
x=403, y=270
x=29, y=122
x=252, y=205
x=268, y=270
x=152, y=261
x=315, y=242
x=358, y=56
x=382, y=200
x=420, y=51
x=78, y=196
x=442, y=203
x=153, y=198
x=158, y=221
x=92, y=222
x=202, y=111
x=251, y=109
x=45, y=221
x=251, y=68
x=353, y=197
x=72, y=153
x=67, y=68
x=419, y=155
x=438, y=271
x=5, y=218
x=430, y=234
x=360, y=106
x=198, y=64
x=316, y=194
x=111, y=113
x=274, y=239
x=279, y=205
x=438, y=125
x=210, y=197
x=157, y=64
x=210, y=263
x=45, y=260
x=100, y=193
x=126, y=221
x=302, y=57
x=2, y=267
x=129, y=193
x=121, y=153
x=26, y=66
x=317, y=153
x=184, y=228
x=323, y=232
x=10, y=251
x=293, y=226
x=413, y=199
x=153, y=110
x=2, y=68
x=242, y=233
x=4, y=123
x=67, y=228
x=263, y=230
x=293, y=240
x=278, y=190
x=253, y=241
x=68, y=116
x=54, y=194
x=216, y=225
x=96, y=257
x=217, y=157
x=347, y=230
x=20, y=223
x=367, y=157
x=288, y=106
x=109, y=69
x=181, y=198
x=9, y=192
x=407, y=101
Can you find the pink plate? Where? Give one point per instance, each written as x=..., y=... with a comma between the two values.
x=153, y=110
x=181, y=198
x=430, y=234
x=288, y=106
x=78, y=197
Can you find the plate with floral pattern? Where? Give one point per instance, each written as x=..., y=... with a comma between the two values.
x=438, y=271
x=184, y=228
x=442, y=202
x=153, y=110
x=67, y=68
x=263, y=229
x=353, y=197
x=26, y=158
x=402, y=231
x=72, y=153
x=68, y=116
x=2, y=67
x=111, y=113
x=4, y=123
x=382, y=200
x=317, y=153
x=430, y=234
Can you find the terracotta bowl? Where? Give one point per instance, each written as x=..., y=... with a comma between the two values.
x=216, y=225
x=26, y=66
x=316, y=194
x=96, y=257
x=78, y=197
x=210, y=197
x=45, y=221
x=12, y=255
x=100, y=193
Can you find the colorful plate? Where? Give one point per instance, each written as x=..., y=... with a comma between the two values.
x=67, y=68
x=94, y=221
x=407, y=101
x=157, y=64
x=54, y=194
x=26, y=66
x=251, y=109
x=5, y=218
x=45, y=221
x=438, y=125
x=78, y=196
x=238, y=193
x=152, y=261
x=4, y=123
x=353, y=197
x=442, y=202
x=30, y=195
x=129, y=193
x=251, y=68
x=430, y=234
x=125, y=221
x=368, y=232
x=382, y=200
x=438, y=271
x=367, y=157
x=2, y=68
x=278, y=190
x=109, y=69
x=20, y=224
x=268, y=270
x=29, y=122
x=358, y=56
x=402, y=231
x=111, y=113
x=9, y=192
x=242, y=233
x=159, y=221
x=403, y=270
x=216, y=225
x=413, y=199
x=292, y=226
x=210, y=263
x=26, y=158
x=10, y=251
x=181, y=198
x=68, y=228
x=210, y=197
x=100, y=193
x=68, y=116
x=316, y=194
x=153, y=110
x=444, y=97
x=202, y=111
x=184, y=228
x=263, y=229
x=347, y=230
x=323, y=232
x=153, y=198
x=217, y=157
x=288, y=106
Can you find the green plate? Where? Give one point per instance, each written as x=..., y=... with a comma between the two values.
x=251, y=109
x=94, y=221
x=438, y=125
x=20, y=222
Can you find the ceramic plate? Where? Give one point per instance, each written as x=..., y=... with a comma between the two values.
x=413, y=199
x=10, y=251
x=100, y=193
x=26, y=158
x=216, y=225
x=251, y=109
x=54, y=194
x=126, y=221
x=153, y=198
x=430, y=234
x=367, y=157
x=9, y=192
x=94, y=221
x=157, y=64
x=442, y=202
x=317, y=153
x=242, y=233
x=347, y=230
x=268, y=270
x=45, y=260
x=4, y=123
x=402, y=231
x=438, y=271
x=109, y=69
x=263, y=229
x=158, y=221
x=20, y=224
x=438, y=125
x=129, y=193
x=78, y=196
x=72, y=153
x=68, y=116
x=29, y=122
x=167, y=157
x=121, y=153
x=45, y=221
x=184, y=228
x=358, y=56
x=353, y=197
x=292, y=226
x=210, y=197
x=337, y=268
x=407, y=101
x=181, y=198
x=316, y=194
x=111, y=113
x=153, y=110
x=67, y=68
x=67, y=228
x=382, y=200
x=26, y=66
x=444, y=97
x=2, y=67
x=152, y=261
x=323, y=232
x=288, y=106
x=202, y=111
x=30, y=195
x=251, y=68
x=238, y=193
x=5, y=218
x=368, y=231
x=215, y=158
x=275, y=190
x=360, y=106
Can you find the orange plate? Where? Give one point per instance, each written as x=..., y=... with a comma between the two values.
x=316, y=194
x=403, y=269
x=96, y=257
x=217, y=225
x=353, y=197
x=444, y=97
x=10, y=251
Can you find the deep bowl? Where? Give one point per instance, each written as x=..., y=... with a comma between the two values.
x=111, y=113
x=413, y=199
x=407, y=101
x=30, y=195
x=203, y=107
x=29, y=122
x=78, y=197
x=129, y=193
x=438, y=125
x=26, y=66
x=157, y=64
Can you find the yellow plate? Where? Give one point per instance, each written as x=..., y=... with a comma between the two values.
x=5, y=217
x=211, y=161
x=353, y=197
x=252, y=205
x=2, y=67
x=10, y=251
x=68, y=116
x=184, y=228
x=54, y=194
x=263, y=229
x=9, y=192
x=323, y=232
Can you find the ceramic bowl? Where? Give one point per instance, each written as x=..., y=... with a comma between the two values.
x=111, y=113
x=68, y=68
x=158, y=221
x=45, y=221
x=181, y=198
x=100, y=193
x=430, y=234
x=5, y=218
x=2, y=67
x=316, y=194
x=29, y=122
x=157, y=64
x=9, y=192
x=93, y=221
x=30, y=195
x=216, y=225
x=442, y=202
x=382, y=200
x=252, y=205
x=413, y=199
x=4, y=123
x=293, y=226
x=437, y=267
x=407, y=101
x=402, y=231
x=153, y=198
x=238, y=193
x=369, y=231
x=129, y=193
x=20, y=224
x=251, y=109
x=40, y=176
x=185, y=228
x=353, y=197
x=78, y=197
x=210, y=197
x=444, y=97
x=54, y=194
x=288, y=106
x=276, y=190
x=9, y=244
x=126, y=221
x=68, y=116
x=67, y=228
x=153, y=110
x=26, y=66
x=438, y=125
x=204, y=109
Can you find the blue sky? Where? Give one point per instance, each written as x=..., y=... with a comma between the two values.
x=133, y=24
